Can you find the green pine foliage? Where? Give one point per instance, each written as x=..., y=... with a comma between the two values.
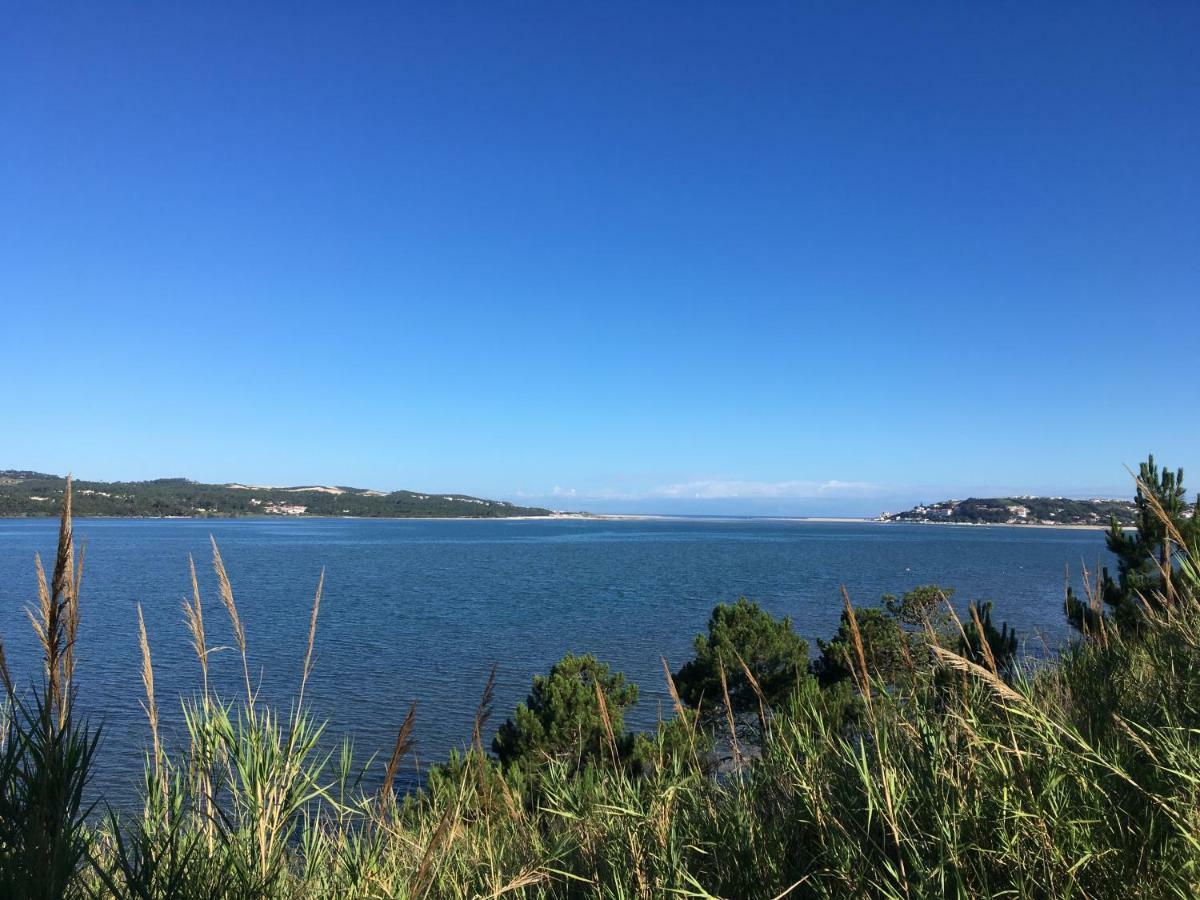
x=1165, y=527
x=897, y=637
x=575, y=713
x=985, y=644
x=888, y=649
x=743, y=633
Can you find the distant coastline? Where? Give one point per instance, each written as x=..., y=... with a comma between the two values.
x=26, y=494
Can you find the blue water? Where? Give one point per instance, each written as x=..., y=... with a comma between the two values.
x=419, y=610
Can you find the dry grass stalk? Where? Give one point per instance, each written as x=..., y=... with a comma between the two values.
x=478, y=758
x=1092, y=594
x=404, y=744
x=239, y=635
x=671, y=688
x=1136, y=738
x=523, y=880
x=863, y=676
x=984, y=645
x=193, y=613
x=424, y=876
x=608, y=729
x=312, y=634
x=680, y=711
x=791, y=888
x=483, y=711
x=962, y=632
x=733, y=741
x=1173, y=536
x=5, y=675
x=758, y=692
x=1157, y=508
x=1095, y=602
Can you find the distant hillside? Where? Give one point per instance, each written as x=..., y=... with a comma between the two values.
x=1019, y=511
x=37, y=494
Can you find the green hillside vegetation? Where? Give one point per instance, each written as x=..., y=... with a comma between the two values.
x=36, y=494
x=917, y=756
x=1020, y=511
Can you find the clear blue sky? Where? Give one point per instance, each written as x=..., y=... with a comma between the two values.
x=789, y=258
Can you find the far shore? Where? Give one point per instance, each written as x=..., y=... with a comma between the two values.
x=598, y=517
x=850, y=520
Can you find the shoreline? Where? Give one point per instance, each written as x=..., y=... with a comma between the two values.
x=1076, y=527
x=588, y=517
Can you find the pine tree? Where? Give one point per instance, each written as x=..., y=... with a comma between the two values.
x=1165, y=528
x=983, y=643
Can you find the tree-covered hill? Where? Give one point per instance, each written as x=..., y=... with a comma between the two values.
x=37, y=494
x=1020, y=511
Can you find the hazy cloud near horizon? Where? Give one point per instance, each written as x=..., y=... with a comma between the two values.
x=715, y=489
x=719, y=489
x=797, y=497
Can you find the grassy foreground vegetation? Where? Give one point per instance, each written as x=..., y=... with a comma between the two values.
x=915, y=757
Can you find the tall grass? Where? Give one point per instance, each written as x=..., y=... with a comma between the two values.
x=46, y=754
x=1077, y=779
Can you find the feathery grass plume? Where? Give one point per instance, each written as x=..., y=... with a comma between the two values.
x=77, y=582
x=44, y=626
x=61, y=584
x=483, y=713
x=151, y=704
x=733, y=740
x=193, y=614
x=404, y=744
x=55, y=610
x=239, y=635
x=954, y=661
x=64, y=565
x=72, y=623
x=312, y=636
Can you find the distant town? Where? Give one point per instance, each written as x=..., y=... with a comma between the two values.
x=1020, y=511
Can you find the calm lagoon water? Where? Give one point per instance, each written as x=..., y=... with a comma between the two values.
x=419, y=610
